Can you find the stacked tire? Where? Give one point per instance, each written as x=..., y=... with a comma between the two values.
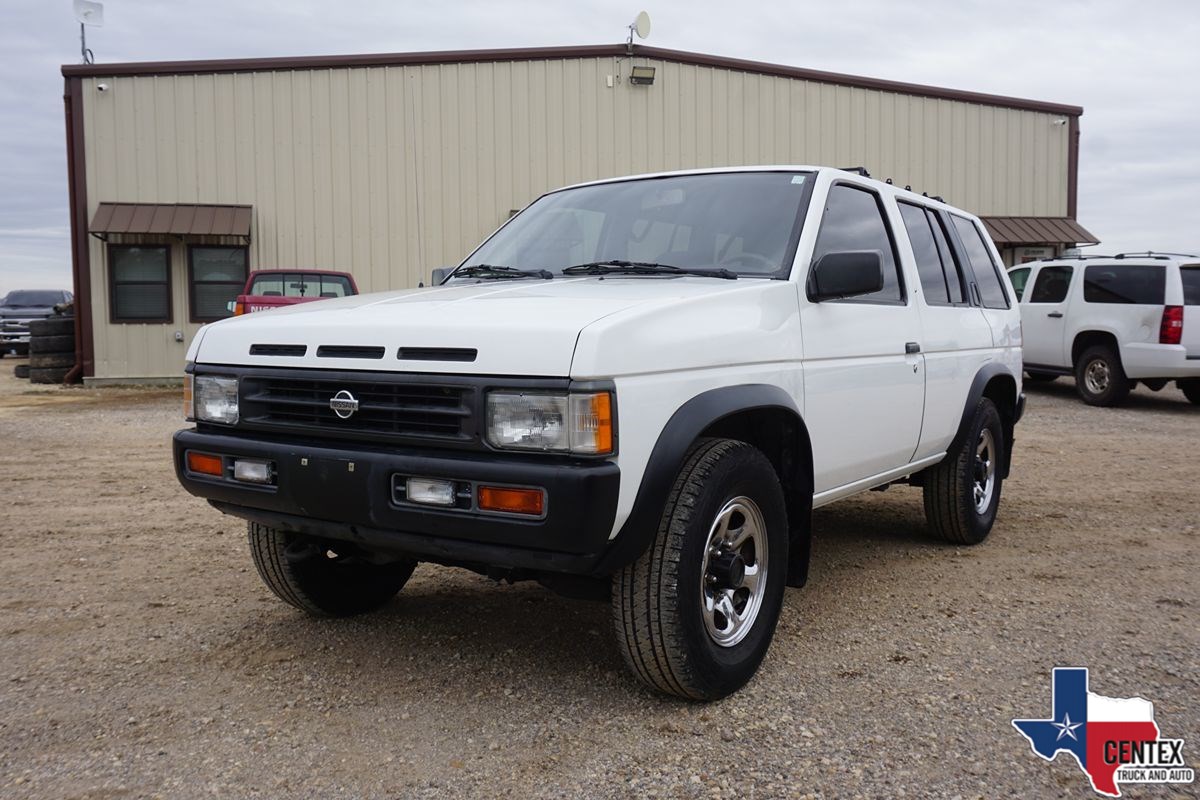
x=51, y=349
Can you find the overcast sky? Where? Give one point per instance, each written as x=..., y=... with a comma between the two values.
x=1134, y=67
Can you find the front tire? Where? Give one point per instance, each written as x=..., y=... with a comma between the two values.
x=1099, y=377
x=696, y=613
x=318, y=579
x=962, y=491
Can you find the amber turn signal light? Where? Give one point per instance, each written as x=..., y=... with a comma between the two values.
x=512, y=501
x=205, y=464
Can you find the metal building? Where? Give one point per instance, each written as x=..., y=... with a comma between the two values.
x=185, y=175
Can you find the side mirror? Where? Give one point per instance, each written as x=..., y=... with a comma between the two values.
x=439, y=275
x=852, y=273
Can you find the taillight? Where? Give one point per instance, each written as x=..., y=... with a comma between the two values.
x=1171, y=330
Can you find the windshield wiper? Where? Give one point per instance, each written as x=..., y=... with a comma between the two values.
x=493, y=271
x=618, y=267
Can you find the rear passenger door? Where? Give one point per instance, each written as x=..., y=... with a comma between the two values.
x=863, y=393
x=957, y=338
x=1044, y=317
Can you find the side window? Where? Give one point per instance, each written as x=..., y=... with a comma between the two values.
x=991, y=290
x=1019, y=277
x=925, y=251
x=1134, y=284
x=1051, y=285
x=939, y=273
x=854, y=220
x=953, y=269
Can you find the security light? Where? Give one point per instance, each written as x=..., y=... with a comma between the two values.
x=641, y=76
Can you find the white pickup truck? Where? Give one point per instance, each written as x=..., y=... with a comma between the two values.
x=638, y=388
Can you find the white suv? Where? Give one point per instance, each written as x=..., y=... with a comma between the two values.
x=636, y=389
x=1112, y=321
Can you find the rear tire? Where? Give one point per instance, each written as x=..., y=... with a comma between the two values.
x=1191, y=389
x=1099, y=377
x=1042, y=377
x=21, y=371
x=315, y=578
x=962, y=491
x=696, y=613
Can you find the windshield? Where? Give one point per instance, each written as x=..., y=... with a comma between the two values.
x=300, y=284
x=30, y=298
x=744, y=222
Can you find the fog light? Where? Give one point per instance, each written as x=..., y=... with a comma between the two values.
x=252, y=471
x=512, y=501
x=429, y=492
x=205, y=464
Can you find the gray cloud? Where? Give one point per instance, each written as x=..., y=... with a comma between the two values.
x=1132, y=67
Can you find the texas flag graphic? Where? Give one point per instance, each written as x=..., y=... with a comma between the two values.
x=1112, y=739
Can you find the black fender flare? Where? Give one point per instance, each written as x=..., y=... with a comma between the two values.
x=667, y=458
x=1008, y=416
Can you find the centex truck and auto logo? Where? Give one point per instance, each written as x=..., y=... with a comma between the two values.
x=1114, y=740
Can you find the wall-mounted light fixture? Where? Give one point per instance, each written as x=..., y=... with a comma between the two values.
x=641, y=76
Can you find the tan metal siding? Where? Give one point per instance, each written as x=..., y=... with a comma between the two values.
x=390, y=171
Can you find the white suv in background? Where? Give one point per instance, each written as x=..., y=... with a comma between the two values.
x=1112, y=322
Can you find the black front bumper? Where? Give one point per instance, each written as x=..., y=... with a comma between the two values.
x=346, y=494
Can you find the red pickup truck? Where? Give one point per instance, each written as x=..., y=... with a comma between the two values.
x=275, y=288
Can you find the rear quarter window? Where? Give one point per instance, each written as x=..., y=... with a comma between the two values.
x=987, y=276
x=1190, y=276
x=1125, y=284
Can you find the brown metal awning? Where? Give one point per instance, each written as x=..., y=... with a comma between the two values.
x=171, y=219
x=1008, y=231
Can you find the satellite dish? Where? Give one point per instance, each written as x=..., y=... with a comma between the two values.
x=90, y=13
x=641, y=25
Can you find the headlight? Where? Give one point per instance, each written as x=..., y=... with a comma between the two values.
x=216, y=399
x=575, y=423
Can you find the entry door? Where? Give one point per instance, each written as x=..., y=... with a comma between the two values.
x=1044, y=317
x=864, y=392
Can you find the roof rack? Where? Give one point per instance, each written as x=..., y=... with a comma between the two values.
x=857, y=170
x=1155, y=254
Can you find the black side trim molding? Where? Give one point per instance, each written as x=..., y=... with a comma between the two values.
x=667, y=458
x=1008, y=415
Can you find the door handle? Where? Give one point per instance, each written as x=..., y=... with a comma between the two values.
x=1055, y=314
x=911, y=347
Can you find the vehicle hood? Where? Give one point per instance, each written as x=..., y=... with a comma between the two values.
x=527, y=327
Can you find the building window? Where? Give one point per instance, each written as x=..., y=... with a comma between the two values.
x=139, y=278
x=216, y=275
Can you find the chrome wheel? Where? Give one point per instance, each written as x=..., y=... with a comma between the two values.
x=985, y=471
x=734, y=574
x=1097, y=376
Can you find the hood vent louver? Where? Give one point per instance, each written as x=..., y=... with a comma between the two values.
x=466, y=354
x=292, y=350
x=349, y=351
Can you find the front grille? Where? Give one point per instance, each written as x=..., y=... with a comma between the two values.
x=386, y=408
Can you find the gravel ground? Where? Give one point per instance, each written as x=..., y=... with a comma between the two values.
x=142, y=657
